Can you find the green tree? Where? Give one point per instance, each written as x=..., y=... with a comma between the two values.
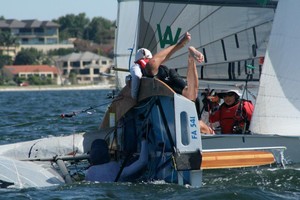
x=100, y=30
x=19, y=80
x=8, y=40
x=73, y=78
x=29, y=56
x=72, y=25
x=5, y=60
x=60, y=52
x=37, y=80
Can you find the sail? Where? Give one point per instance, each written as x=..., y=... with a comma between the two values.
x=22, y=174
x=125, y=37
x=277, y=109
x=232, y=34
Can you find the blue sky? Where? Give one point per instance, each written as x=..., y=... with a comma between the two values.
x=53, y=9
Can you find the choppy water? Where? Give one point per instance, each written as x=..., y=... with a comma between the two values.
x=32, y=115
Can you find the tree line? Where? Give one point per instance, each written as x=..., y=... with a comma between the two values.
x=91, y=35
x=98, y=30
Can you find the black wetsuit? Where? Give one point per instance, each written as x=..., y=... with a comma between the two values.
x=170, y=77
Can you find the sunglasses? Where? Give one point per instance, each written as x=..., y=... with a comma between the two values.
x=230, y=94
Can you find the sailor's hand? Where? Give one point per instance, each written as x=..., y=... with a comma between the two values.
x=214, y=98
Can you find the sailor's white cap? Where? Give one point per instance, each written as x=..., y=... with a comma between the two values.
x=222, y=93
x=142, y=53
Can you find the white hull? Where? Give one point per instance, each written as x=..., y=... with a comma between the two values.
x=291, y=143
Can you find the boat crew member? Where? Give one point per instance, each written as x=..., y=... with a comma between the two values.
x=151, y=66
x=234, y=114
x=103, y=169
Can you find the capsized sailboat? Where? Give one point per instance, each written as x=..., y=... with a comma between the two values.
x=177, y=150
x=172, y=132
x=121, y=127
x=233, y=35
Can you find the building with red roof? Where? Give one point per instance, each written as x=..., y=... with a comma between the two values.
x=25, y=71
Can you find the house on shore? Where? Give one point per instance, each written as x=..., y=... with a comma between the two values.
x=89, y=68
x=27, y=71
x=42, y=35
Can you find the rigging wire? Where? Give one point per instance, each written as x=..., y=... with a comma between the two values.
x=249, y=73
x=55, y=118
x=87, y=110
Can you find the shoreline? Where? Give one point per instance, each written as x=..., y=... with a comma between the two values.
x=56, y=88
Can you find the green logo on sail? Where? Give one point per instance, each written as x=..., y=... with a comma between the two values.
x=167, y=37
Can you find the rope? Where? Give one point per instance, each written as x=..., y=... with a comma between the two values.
x=29, y=123
x=54, y=118
x=82, y=111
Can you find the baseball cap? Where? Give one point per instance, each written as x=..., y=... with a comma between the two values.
x=223, y=93
x=142, y=53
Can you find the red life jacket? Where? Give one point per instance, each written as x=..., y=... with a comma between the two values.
x=230, y=117
x=142, y=62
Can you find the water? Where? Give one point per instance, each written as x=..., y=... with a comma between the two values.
x=32, y=115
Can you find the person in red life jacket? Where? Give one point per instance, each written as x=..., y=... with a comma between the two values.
x=151, y=66
x=234, y=114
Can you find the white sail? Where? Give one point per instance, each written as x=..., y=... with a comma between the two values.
x=277, y=109
x=232, y=34
x=21, y=174
x=125, y=37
